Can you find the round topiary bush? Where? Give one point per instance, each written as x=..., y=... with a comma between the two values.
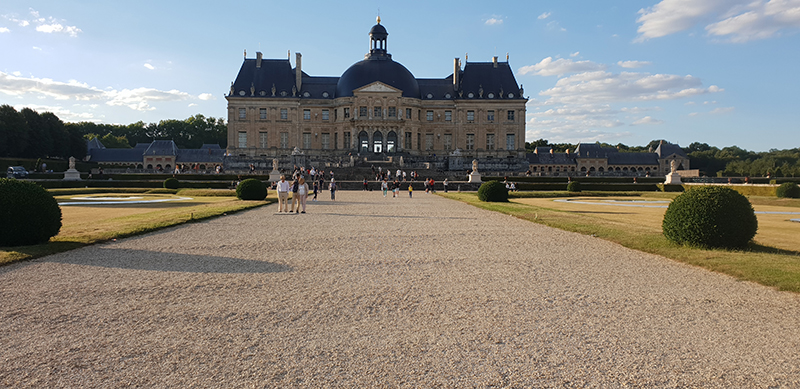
x=171, y=183
x=28, y=213
x=788, y=190
x=251, y=189
x=493, y=191
x=574, y=186
x=710, y=216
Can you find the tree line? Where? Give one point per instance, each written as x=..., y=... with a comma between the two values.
x=712, y=161
x=29, y=134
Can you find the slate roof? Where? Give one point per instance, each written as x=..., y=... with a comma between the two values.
x=632, y=159
x=551, y=159
x=94, y=143
x=162, y=147
x=378, y=65
x=665, y=149
x=593, y=150
x=116, y=155
x=209, y=153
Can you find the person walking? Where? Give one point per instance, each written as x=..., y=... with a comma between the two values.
x=445, y=183
x=366, y=184
x=295, y=198
x=332, y=187
x=396, y=188
x=384, y=187
x=283, y=188
x=302, y=193
x=410, y=191
x=316, y=189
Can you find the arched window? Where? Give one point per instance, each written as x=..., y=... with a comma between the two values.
x=617, y=169
x=168, y=167
x=391, y=141
x=640, y=169
x=591, y=169
x=363, y=139
x=583, y=168
x=149, y=166
x=377, y=142
x=601, y=169
x=139, y=166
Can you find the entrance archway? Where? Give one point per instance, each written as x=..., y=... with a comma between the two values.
x=391, y=142
x=363, y=140
x=377, y=142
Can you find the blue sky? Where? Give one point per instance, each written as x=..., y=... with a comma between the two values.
x=722, y=72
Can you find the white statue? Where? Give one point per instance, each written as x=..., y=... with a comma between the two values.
x=672, y=167
x=474, y=165
x=72, y=163
x=275, y=164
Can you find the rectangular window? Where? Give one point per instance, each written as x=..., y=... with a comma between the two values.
x=326, y=114
x=262, y=113
x=346, y=140
x=326, y=141
x=362, y=111
x=306, y=114
x=242, y=113
x=392, y=112
x=510, y=115
x=408, y=141
x=284, y=140
x=429, y=116
x=346, y=113
x=448, y=116
x=470, y=116
x=262, y=139
x=376, y=112
x=490, y=115
x=242, y=139
x=284, y=114
x=510, y=142
x=306, y=140
x=419, y=141
x=470, y=141
x=448, y=141
x=489, y=141
x=428, y=142
x=335, y=140
x=408, y=113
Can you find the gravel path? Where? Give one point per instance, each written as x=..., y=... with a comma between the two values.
x=379, y=292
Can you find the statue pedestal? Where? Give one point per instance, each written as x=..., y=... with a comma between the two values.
x=274, y=176
x=673, y=178
x=475, y=177
x=72, y=175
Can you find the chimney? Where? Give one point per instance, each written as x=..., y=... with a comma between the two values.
x=298, y=75
x=456, y=71
x=258, y=60
x=494, y=61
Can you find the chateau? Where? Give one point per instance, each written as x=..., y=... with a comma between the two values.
x=376, y=107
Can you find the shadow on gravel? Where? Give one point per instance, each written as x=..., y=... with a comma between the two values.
x=170, y=262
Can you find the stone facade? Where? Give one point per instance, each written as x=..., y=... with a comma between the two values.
x=375, y=109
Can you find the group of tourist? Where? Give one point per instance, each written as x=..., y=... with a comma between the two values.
x=300, y=191
x=382, y=174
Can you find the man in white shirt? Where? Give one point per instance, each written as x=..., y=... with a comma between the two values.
x=283, y=188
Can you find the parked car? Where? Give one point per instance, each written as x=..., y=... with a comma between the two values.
x=16, y=172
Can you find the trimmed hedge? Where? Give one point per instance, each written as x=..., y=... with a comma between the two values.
x=788, y=190
x=670, y=187
x=710, y=216
x=574, y=186
x=172, y=183
x=493, y=191
x=251, y=189
x=28, y=213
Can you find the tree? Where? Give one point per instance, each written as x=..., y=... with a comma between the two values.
x=13, y=132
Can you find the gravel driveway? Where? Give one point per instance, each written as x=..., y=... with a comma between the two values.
x=370, y=291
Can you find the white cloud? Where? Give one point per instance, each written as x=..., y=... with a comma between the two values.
x=137, y=99
x=206, y=96
x=4, y=29
x=37, y=48
x=647, y=120
x=151, y=67
x=58, y=28
x=738, y=20
x=633, y=64
x=192, y=105
x=555, y=26
x=575, y=54
x=64, y=114
x=721, y=110
x=549, y=67
x=493, y=21
x=544, y=15
x=605, y=87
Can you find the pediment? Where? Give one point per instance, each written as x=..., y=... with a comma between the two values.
x=378, y=86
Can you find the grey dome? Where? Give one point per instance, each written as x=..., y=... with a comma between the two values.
x=382, y=69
